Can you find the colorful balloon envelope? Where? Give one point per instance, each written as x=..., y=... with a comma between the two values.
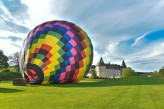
x=56, y=52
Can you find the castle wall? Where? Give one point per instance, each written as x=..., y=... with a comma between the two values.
x=101, y=71
x=108, y=73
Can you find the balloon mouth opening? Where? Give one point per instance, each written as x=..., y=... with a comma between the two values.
x=34, y=74
x=31, y=75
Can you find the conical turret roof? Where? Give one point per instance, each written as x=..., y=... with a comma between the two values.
x=101, y=62
x=123, y=65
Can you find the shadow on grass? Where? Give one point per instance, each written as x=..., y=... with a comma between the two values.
x=9, y=90
x=112, y=82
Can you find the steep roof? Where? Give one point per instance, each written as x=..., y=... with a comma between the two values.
x=108, y=65
x=101, y=62
x=123, y=65
x=113, y=66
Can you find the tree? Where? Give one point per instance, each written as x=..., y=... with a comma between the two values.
x=161, y=72
x=14, y=59
x=128, y=72
x=155, y=74
x=3, y=60
x=93, y=74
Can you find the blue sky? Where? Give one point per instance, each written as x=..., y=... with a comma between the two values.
x=132, y=30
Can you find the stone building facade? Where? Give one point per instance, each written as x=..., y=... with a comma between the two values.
x=107, y=70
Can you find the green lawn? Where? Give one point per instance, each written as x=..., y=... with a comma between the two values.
x=124, y=93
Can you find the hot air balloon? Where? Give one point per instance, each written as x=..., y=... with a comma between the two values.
x=56, y=52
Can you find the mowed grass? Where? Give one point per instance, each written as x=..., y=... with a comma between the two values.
x=123, y=93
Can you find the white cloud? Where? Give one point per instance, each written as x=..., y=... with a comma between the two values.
x=138, y=39
x=7, y=47
x=96, y=57
x=153, y=50
x=39, y=12
x=158, y=6
x=7, y=15
x=9, y=33
x=2, y=20
x=148, y=58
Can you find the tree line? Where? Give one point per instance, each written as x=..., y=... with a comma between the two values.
x=6, y=60
x=158, y=74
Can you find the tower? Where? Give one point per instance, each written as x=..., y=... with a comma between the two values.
x=101, y=62
x=123, y=66
x=100, y=68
